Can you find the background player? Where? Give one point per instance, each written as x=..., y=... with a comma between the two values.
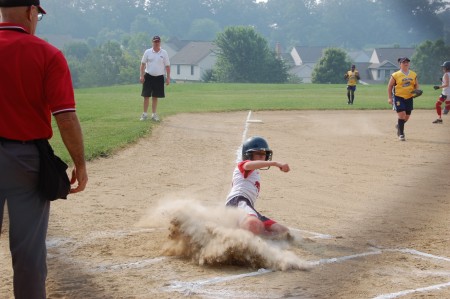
x=444, y=94
x=352, y=76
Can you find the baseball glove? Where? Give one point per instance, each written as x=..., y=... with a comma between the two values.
x=417, y=93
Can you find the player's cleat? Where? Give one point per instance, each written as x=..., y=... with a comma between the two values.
x=445, y=111
x=437, y=121
x=144, y=116
x=401, y=138
x=155, y=117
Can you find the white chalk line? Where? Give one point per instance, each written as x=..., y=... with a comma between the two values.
x=189, y=287
x=65, y=246
x=244, y=137
x=419, y=290
x=419, y=253
x=314, y=234
x=127, y=266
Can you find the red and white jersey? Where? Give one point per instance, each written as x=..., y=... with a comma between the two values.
x=446, y=79
x=245, y=183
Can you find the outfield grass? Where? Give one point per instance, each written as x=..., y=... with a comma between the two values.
x=110, y=115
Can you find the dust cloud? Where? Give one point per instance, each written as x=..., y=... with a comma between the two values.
x=211, y=236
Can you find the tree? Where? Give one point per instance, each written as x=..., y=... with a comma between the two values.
x=414, y=20
x=331, y=67
x=244, y=56
x=427, y=60
x=103, y=66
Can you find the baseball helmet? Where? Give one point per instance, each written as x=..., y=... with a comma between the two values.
x=254, y=144
x=446, y=65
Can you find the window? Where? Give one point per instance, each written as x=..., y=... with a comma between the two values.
x=192, y=70
x=178, y=69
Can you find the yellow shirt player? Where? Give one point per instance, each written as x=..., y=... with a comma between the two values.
x=352, y=77
x=400, y=95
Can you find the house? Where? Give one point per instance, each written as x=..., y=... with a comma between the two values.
x=383, y=62
x=192, y=61
x=173, y=45
x=305, y=58
x=359, y=56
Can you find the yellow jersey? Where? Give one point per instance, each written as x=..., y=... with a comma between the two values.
x=404, y=84
x=352, y=77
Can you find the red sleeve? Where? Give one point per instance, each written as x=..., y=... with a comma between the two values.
x=58, y=85
x=244, y=172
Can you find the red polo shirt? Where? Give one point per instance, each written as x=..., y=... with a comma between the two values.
x=35, y=82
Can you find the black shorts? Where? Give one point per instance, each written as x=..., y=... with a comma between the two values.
x=402, y=104
x=153, y=86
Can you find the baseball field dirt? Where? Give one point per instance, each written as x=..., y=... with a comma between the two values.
x=369, y=213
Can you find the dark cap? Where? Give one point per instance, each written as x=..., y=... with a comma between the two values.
x=353, y=66
x=403, y=59
x=15, y=3
x=156, y=39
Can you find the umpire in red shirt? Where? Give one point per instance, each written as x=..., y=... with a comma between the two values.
x=35, y=84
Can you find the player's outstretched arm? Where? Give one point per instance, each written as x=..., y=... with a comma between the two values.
x=252, y=165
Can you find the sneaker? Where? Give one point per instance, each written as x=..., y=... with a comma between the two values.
x=144, y=116
x=437, y=121
x=445, y=111
x=155, y=117
x=401, y=138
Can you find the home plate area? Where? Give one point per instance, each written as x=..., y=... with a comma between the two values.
x=335, y=263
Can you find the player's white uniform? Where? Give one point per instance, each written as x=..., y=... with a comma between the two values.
x=245, y=190
x=245, y=183
x=446, y=90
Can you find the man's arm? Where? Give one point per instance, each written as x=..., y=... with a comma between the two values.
x=142, y=73
x=167, y=74
x=72, y=136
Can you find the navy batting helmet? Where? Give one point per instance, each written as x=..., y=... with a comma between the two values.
x=254, y=144
x=446, y=65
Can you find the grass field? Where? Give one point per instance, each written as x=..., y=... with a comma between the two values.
x=110, y=115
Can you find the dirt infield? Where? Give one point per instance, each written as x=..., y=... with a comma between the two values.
x=374, y=210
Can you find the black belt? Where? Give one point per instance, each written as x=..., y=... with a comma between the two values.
x=16, y=141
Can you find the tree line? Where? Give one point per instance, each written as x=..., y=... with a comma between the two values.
x=243, y=55
x=113, y=34
x=346, y=24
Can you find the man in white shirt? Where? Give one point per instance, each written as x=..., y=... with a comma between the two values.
x=154, y=65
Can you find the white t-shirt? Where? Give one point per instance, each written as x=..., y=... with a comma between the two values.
x=245, y=183
x=155, y=62
x=446, y=78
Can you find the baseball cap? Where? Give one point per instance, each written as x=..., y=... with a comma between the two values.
x=156, y=39
x=403, y=59
x=15, y=3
